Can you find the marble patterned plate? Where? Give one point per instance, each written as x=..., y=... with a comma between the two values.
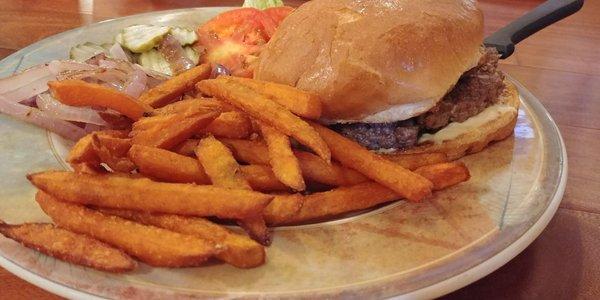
x=402, y=249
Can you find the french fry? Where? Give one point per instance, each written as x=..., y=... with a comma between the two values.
x=239, y=250
x=128, y=192
x=299, y=102
x=151, y=122
x=80, y=93
x=152, y=245
x=219, y=164
x=187, y=147
x=231, y=124
x=251, y=152
x=444, y=175
x=257, y=229
x=200, y=105
x=313, y=168
x=167, y=166
x=289, y=209
x=283, y=209
x=83, y=151
x=330, y=203
x=416, y=160
x=261, y=178
x=409, y=185
x=316, y=169
x=113, y=152
x=170, y=90
x=264, y=109
x=87, y=168
x=285, y=165
x=69, y=246
x=173, y=131
x=224, y=171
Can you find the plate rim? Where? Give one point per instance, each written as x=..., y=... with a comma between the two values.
x=443, y=287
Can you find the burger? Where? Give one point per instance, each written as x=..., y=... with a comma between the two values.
x=396, y=76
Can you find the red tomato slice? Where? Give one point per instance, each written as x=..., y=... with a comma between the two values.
x=235, y=38
x=278, y=13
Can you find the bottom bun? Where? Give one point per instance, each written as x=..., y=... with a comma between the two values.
x=468, y=140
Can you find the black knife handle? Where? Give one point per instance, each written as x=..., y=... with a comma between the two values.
x=551, y=11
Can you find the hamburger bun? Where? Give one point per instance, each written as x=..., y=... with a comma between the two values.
x=380, y=60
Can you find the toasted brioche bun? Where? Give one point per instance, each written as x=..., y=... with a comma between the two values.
x=364, y=57
x=477, y=138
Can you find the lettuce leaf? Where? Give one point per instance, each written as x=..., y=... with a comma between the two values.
x=262, y=4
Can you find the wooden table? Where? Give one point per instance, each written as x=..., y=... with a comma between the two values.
x=560, y=65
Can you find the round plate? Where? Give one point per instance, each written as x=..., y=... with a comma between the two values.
x=411, y=249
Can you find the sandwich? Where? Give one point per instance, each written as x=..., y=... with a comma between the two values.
x=396, y=76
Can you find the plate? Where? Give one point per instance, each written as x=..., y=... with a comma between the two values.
x=403, y=249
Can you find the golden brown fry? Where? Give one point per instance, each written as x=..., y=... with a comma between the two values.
x=127, y=192
x=251, y=152
x=264, y=109
x=299, y=102
x=167, y=166
x=150, y=122
x=224, y=171
x=187, y=147
x=231, y=124
x=173, y=131
x=152, y=245
x=113, y=152
x=444, y=175
x=239, y=250
x=261, y=178
x=219, y=164
x=199, y=105
x=257, y=229
x=409, y=185
x=83, y=151
x=170, y=90
x=326, y=204
x=80, y=93
x=88, y=168
x=416, y=160
x=69, y=246
x=316, y=169
x=284, y=208
x=313, y=168
x=285, y=165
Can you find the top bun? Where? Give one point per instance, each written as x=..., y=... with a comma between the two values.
x=369, y=58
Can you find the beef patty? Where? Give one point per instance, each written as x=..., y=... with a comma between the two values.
x=476, y=89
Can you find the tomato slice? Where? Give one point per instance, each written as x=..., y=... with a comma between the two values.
x=277, y=14
x=235, y=38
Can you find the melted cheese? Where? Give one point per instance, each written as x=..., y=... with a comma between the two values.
x=455, y=129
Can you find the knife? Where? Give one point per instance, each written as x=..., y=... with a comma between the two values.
x=549, y=12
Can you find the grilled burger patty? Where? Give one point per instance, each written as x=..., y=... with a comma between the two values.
x=476, y=90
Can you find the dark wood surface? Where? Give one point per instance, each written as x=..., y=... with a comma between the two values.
x=560, y=65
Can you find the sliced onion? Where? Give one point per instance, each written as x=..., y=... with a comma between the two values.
x=171, y=50
x=136, y=84
x=58, y=67
x=89, y=128
x=26, y=84
x=35, y=116
x=54, y=108
x=107, y=64
x=117, y=52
